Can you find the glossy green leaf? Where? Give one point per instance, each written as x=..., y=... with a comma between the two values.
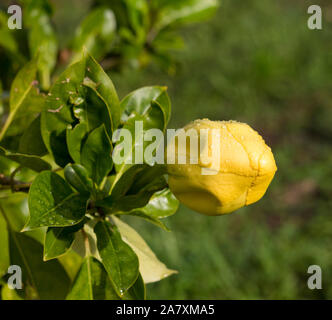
x=123, y=183
x=137, y=291
x=151, y=107
x=131, y=201
x=150, y=267
x=42, y=280
x=52, y=203
x=97, y=80
x=75, y=138
x=31, y=141
x=21, y=88
x=119, y=260
x=82, y=93
x=161, y=205
x=58, y=116
x=185, y=11
x=59, y=240
x=140, y=101
x=96, y=154
x=26, y=160
x=78, y=177
x=95, y=33
x=125, y=151
x=134, y=188
x=92, y=283
x=148, y=178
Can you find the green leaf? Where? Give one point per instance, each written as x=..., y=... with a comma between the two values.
x=161, y=205
x=31, y=141
x=42, y=280
x=71, y=262
x=95, y=33
x=9, y=294
x=75, y=138
x=140, y=101
x=77, y=176
x=131, y=201
x=150, y=267
x=17, y=203
x=134, y=188
x=121, y=186
x=97, y=80
x=4, y=248
x=42, y=39
x=118, y=258
x=96, y=154
x=137, y=291
x=81, y=239
x=92, y=283
x=59, y=240
x=151, y=106
x=7, y=40
x=185, y=11
x=26, y=160
x=151, y=178
x=52, y=203
x=82, y=93
x=58, y=116
x=138, y=15
x=21, y=88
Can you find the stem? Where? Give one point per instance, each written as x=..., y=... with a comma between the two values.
x=15, y=185
x=86, y=242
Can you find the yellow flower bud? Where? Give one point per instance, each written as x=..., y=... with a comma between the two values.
x=242, y=167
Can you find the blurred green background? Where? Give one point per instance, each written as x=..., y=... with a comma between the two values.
x=257, y=62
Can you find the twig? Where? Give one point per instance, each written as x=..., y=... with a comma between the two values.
x=14, y=185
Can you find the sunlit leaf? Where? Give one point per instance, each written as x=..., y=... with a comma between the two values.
x=4, y=248
x=82, y=93
x=161, y=205
x=96, y=154
x=150, y=267
x=52, y=203
x=185, y=11
x=31, y=141
x=59, y=240
x=21, y=88
x=95, y=33
x=78, y=177
x=92, y=283
x=30, y=161
x=43, y=280
x=118, y=258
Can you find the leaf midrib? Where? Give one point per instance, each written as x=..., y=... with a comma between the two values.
x=57, y=206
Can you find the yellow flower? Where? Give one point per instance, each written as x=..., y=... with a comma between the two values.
x=241, y=167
